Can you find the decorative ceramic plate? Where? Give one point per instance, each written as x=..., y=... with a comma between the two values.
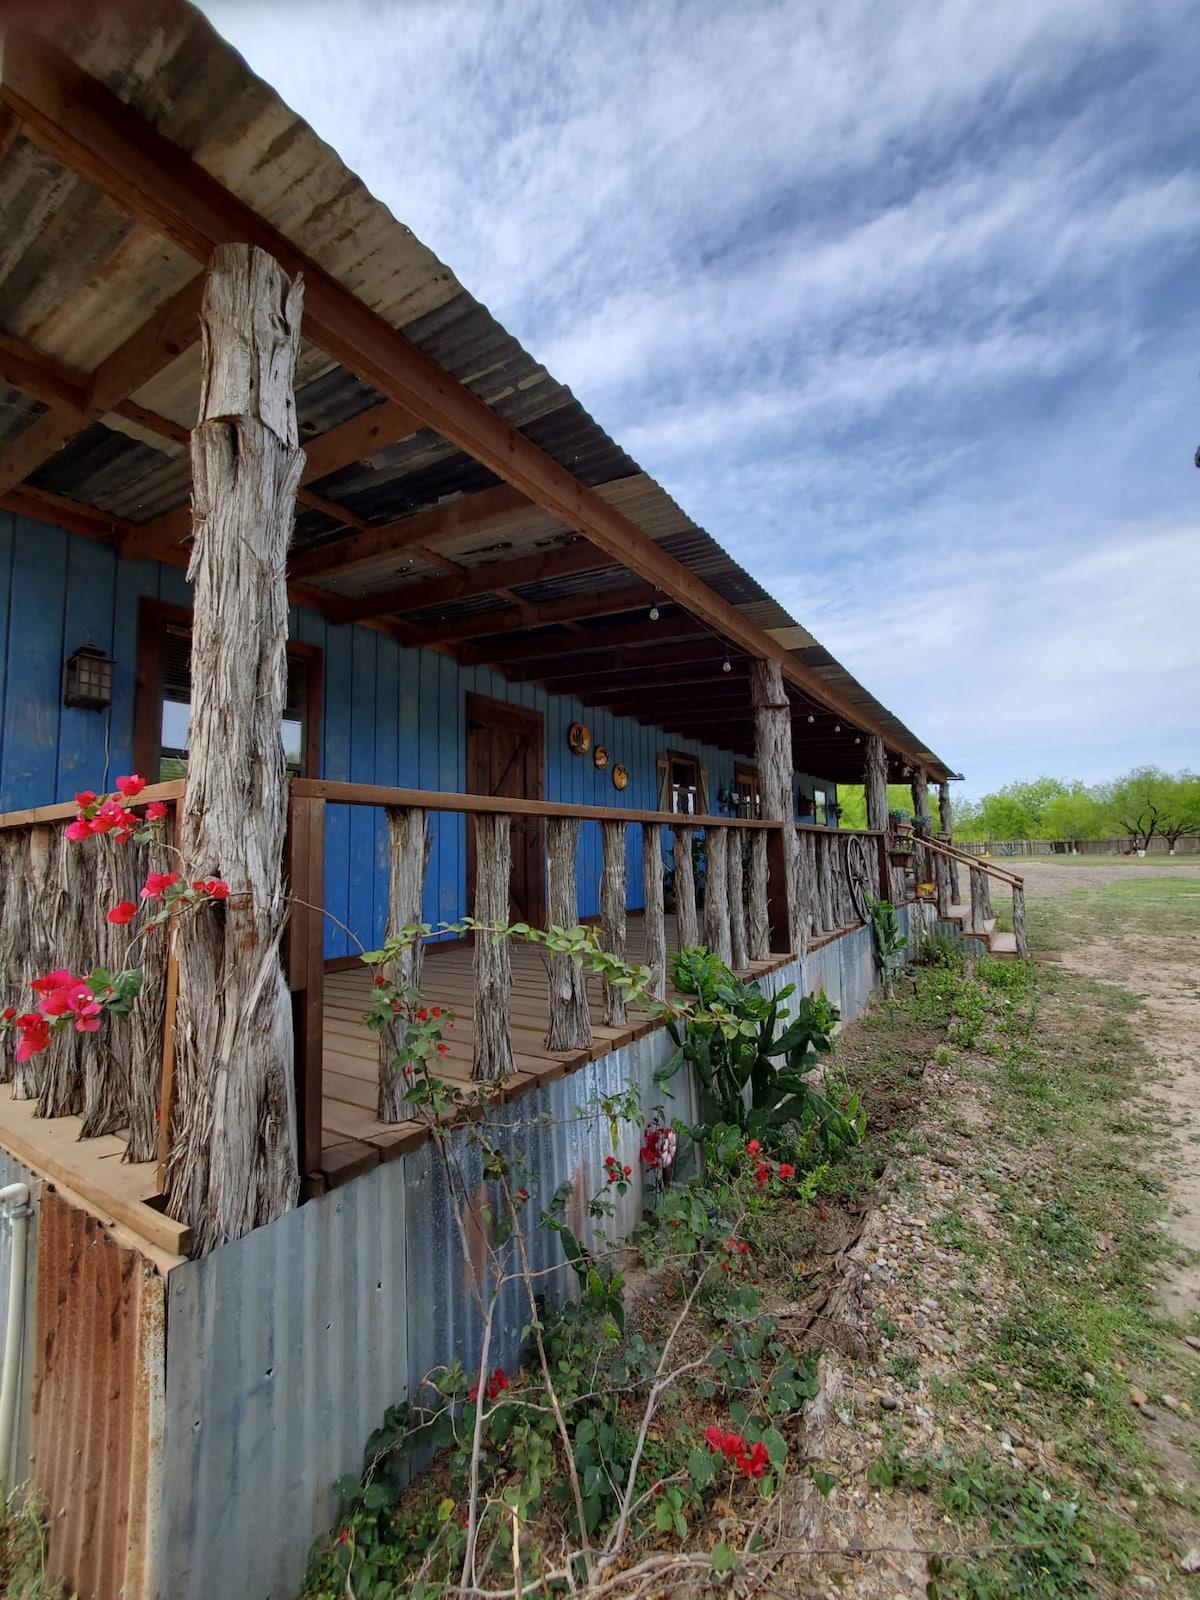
x=620, y=777
x=600, y=756
x=579, y=739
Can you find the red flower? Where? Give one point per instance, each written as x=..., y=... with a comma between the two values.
x=111, y=815
x=198, y=886
x=9, y=1013
x=53, y=981
x=85, y=798
x=35, y=1035
x=131, y=785
x=344, y=1536
x=79, y=830
x=762, y=1174
x=436, y=1012
x=123, y=913
x=786, y=1171
x=217, y=888
x=754, y=1464
x=157, y=883
x=379, y=980
x=422, y=1015
x=443, y=1049
x=522, y=1195
x=656, y=1487
x=155, y=811
x=753, y=1147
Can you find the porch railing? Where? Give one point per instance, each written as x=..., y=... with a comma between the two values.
x=980, y=904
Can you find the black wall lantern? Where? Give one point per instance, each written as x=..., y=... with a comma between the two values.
x=87, y=679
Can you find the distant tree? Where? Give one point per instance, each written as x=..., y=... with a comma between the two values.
x=1149, y=802
x=1073, y=815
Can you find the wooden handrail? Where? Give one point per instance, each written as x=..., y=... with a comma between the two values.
x=841, y=833
x=67, y=810
x=371, y=794
x=999, y=873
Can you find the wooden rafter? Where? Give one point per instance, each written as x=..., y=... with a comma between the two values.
x=167, y=332
x=499, y=652
x=510, y=619
x=357, y=439
x=495, y=578
x=89, y=129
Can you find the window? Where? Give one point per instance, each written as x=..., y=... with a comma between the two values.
x=747, y=796
x=682, y=784
x=165, y=698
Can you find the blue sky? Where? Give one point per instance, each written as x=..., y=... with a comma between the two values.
x=899, y=302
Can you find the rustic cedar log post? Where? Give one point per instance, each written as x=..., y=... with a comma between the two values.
x=687, y=921
x=947, y=824
x=717, y=933
x=788, y=890
x=654, y=916
x=759, y=930
x=737, y=901
x=493, y=1058
x=1019, y=929
x=829, y=914
x=144, y=1029
x=107, y=1065
x=875, y=783
x=408, y=860
x=980, y=905
x=70, y=909
x=613, y=906
x=233, y=1160
x=14, y=935
x=570, y=1021
x=811, y=861
x=920, y=799
x=37, y=954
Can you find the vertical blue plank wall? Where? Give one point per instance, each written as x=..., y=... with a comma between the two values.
x=390, y=716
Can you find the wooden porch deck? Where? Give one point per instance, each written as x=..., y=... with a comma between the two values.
x=353, y=1137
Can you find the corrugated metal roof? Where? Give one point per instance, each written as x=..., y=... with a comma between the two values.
x=77, y=278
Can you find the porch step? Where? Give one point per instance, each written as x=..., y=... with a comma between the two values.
x=1003, y=946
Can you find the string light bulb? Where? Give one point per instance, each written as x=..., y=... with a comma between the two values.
x=653, y=613
x=858, y=738
x=837, y=727
x=811, y=718
x=727, y=665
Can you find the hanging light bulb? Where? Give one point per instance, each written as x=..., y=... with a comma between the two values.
x=727, y=665
x=858, y=738
x=837, y=727
x=811, y=718
x=653, y=613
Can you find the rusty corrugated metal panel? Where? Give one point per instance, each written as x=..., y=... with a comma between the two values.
x=98, y=1305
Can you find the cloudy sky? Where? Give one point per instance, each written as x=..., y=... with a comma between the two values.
x=901, y=303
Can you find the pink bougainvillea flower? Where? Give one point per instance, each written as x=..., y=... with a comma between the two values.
x=79, y=830
x=53, y=981
x=217, y=888
x=198, y=886
x=85, y=798
x=131, y=785
x=86, y=1009
x=123, y=913
x=157, y=883
x=35, y=1035
x=155, y=811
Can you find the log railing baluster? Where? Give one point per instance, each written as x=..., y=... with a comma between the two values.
x=408, y=861
x=759, y=931
x=735, y=878
x=570, y=1021
x=980, y=902
x=654, y=916
x=685, y=888
x=613, y=902
x=1020, y=931
x=717, y=934
x=492, y=1060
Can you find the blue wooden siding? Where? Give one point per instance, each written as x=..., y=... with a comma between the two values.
x=390, y=716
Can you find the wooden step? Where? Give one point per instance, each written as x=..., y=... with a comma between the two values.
x=1003, y=946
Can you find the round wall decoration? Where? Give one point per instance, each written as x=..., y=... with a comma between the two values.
x=579, y=739
x=600, y=756
x=620, y=777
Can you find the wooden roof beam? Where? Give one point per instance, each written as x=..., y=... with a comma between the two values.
x=494, y=578
x=88, y=128
x=512, y=619
x=357, y=440
x=497, y=652
x=167, y=332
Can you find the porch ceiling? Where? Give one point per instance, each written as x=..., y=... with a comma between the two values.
x=131, y=139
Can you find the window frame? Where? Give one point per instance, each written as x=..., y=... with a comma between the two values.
x=154, y=617
x=684, y=757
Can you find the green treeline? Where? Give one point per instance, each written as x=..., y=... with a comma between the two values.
x=1141, y=805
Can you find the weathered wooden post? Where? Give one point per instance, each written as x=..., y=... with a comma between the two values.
x=789, y=893
x=718, y=935
x=493, y=1059
x=737, y=902
x=408, y=861
x=686, y=919
x=981, y=902
x=654, y=917
x=920, y=798
x=612, y=911
x=1020, y=931
x=570, y=1021
x=875, y=785
x=759, y=931
x=233, y=1150
x=946, y=819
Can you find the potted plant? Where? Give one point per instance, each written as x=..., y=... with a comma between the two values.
x=901, y=824
x=901, y=852
x=923, y=826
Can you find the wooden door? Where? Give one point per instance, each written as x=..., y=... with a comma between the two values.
x=504, y=758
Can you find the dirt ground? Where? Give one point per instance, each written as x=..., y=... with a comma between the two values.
x=1051, y=877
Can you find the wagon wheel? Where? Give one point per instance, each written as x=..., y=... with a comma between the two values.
x=860, y=880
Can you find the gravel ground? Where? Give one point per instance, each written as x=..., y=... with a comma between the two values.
x=1048, y=877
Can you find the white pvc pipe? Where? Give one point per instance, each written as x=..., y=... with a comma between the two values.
x=18, y=1195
